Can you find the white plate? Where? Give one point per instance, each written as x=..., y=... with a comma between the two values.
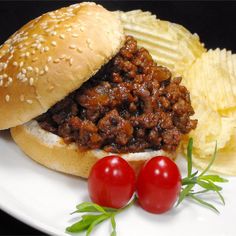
x=44, y=199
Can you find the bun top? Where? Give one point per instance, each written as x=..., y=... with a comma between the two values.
x=52, y=56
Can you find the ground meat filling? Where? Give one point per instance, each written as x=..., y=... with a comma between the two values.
x=130, y=105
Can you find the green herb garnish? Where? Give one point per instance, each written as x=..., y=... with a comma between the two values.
x=205, y=182
x=93, y=214
x=89, y=221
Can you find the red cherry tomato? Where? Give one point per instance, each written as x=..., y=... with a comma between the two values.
x=158, y=184
x=111, y=182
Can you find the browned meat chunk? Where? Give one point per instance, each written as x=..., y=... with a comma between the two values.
x=113, y=127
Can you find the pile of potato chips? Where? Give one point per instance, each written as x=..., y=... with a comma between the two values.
x=209, y=75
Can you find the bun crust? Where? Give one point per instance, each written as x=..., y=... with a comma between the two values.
x=52, y=56
x=49, y=150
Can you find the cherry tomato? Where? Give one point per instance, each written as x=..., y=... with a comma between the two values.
x=111, y=182
x=158, y=184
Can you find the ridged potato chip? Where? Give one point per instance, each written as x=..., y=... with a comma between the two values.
x=170, y=44
x=213, y=77
x=225, y=162
x=211, y=81
x=211, y=127
x=138, y=16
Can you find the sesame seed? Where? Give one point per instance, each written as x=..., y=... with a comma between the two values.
x=18, y=76
x=69, y=29
x=42, y=50
x=29, y=68
x=82, y=29
x=71, y=61
x=49, y=59
x=31, y=81
x=22, y=97
x=36, y=70
x=75, y=35
x=25, y=80
x=29, y=101
x=1, y=66
x=21, y=63
x=15, y=63
x=62, y=36
x=27, y=54
x=56, y=60
x=34, y=59
x=7, y=98
x=24, y=71
x=33, y=52
x=10, y=80
x=53, y=33
x=41, y=72
x=46, y=49
x=46, y=68
x=62, y=57
x=1, y=83
x=25, y=38
x=4, y=75
x=54, y=43
x=72, y=46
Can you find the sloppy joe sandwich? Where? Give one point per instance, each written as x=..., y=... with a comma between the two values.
x=76, y=88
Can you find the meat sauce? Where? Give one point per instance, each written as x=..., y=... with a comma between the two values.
x=130, y=105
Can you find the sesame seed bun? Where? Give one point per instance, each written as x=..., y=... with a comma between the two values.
x=50, y=150
x=52, y=56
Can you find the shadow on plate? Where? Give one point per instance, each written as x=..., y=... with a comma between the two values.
x=5, y=134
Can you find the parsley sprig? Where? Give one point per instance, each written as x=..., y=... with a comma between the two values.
x=204, y=181
x=95, y=215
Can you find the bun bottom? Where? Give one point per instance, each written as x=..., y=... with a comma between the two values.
x=50, y=150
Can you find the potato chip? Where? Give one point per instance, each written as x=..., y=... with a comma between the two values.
x=211, y=127
x=138, y=16
x=226, y=149
x=225, y=162
x=170, y=44
x=213, y=77
x=211, y=81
